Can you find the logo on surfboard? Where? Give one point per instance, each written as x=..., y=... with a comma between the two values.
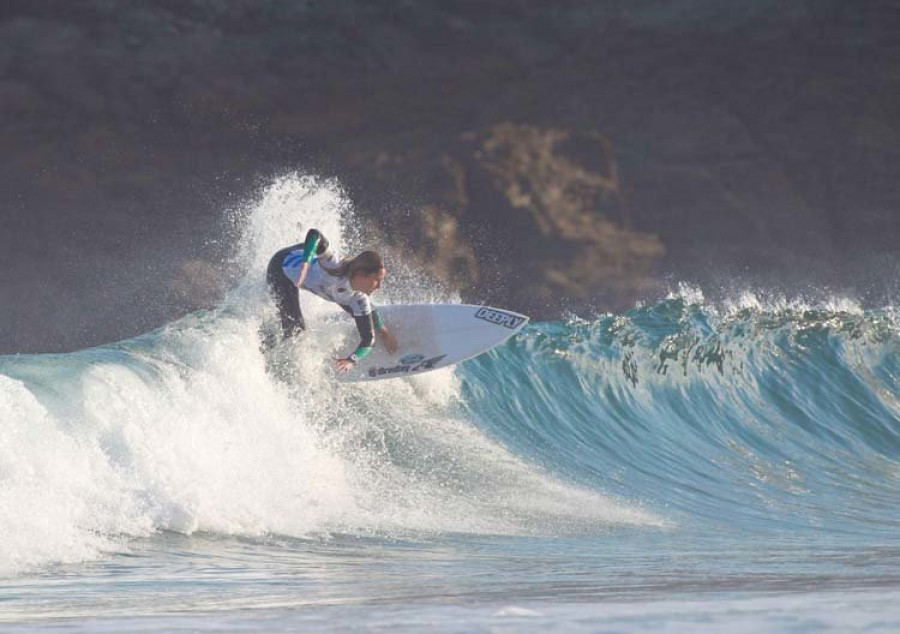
x=408, y=363
x=499, y=317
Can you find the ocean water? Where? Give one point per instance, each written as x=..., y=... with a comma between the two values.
x=683, y=467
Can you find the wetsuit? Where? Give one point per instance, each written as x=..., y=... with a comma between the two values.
x=284, y=271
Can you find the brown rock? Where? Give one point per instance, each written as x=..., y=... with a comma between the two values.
x=525, y=194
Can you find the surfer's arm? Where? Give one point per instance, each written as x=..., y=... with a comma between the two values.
x=365, y=324
x=390, y=341
x=368, y=322
x=301, y=277
x=315, y=244
x=368, y=325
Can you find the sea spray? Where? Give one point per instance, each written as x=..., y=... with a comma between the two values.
x=192, y=428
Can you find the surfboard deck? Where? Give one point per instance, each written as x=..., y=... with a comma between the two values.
x=432, y=336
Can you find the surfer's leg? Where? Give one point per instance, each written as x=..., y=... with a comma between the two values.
x=286, y=297
x=287, y=300
x=289, y=309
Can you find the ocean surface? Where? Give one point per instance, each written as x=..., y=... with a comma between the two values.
x=686, y=466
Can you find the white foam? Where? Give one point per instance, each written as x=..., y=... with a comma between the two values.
x=689, y=294
x=193, y=429
x=56, y=502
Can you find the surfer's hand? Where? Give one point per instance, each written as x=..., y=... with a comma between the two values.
x=302, y=277
x=390, y=341
x=343, y=365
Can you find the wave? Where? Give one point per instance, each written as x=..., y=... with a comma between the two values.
x=757, y=416
x=192, y=429
x=749, y=417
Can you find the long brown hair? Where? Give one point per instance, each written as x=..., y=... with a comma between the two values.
x=367, y=263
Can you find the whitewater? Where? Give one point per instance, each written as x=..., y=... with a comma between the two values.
x=684, y=466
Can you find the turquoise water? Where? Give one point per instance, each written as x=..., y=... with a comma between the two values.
x=781, y=421
x=591, y=474
x=681, y=467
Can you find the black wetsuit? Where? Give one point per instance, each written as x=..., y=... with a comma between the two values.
x=285, y=291
x=286, y=294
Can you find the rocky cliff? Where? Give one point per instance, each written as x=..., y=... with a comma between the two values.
x=553, y=157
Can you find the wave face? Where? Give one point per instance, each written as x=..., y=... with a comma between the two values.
x=751, y=417
x=759, y=417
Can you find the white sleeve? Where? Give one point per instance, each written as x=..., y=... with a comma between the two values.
x=360, y=305
x=330, y=259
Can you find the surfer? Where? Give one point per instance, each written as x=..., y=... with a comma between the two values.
x=315, y=267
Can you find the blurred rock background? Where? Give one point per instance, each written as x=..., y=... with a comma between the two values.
x=551, y=157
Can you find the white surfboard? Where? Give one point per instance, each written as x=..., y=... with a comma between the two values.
x=432, y=336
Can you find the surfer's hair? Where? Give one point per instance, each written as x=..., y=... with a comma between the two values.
x=366, y=263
